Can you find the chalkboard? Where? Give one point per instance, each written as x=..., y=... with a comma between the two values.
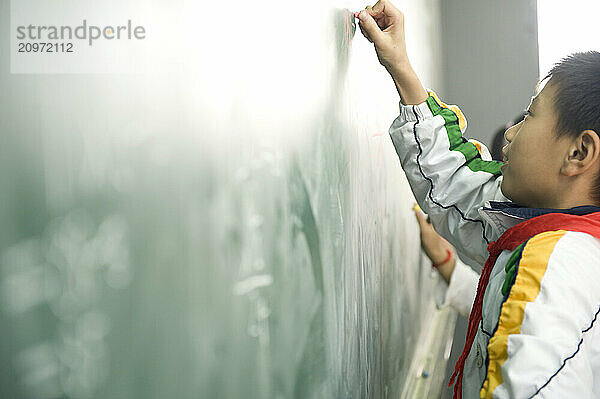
x=231, y=222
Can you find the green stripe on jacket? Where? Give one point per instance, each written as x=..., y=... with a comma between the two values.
x=458, y=143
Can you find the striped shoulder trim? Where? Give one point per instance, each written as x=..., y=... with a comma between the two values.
x=456, y=123
x=531, y=268
x=462, y=121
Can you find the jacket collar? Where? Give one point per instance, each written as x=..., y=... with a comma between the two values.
x=504, y=215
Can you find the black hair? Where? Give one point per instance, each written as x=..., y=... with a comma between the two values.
x=577, y=101
x=576, y=79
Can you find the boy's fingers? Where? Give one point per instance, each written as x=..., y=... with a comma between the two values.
x=386, y=13
x=378, y=17
x=420, y=218
x=363, y=32
x=376, y=11
x=384, y=7
x=370, y=26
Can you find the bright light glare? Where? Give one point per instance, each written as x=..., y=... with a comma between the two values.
x=565, y=27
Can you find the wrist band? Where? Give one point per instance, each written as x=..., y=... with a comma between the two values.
x=448, y=256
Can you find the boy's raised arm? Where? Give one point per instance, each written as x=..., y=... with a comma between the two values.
x=390, y=46
x=447, y=174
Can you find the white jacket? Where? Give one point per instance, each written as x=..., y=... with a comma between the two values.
x=539, y=335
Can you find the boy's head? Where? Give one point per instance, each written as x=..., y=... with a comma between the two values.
x=552, y=159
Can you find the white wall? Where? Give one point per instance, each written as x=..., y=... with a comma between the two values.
x=490, y=55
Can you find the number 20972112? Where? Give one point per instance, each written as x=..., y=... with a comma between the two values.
x=45, y=48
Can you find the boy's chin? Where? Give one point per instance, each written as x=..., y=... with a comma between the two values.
x=510, y=194
x=505, y=190
x=515, y=197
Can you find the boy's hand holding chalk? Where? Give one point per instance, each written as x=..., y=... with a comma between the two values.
x=383, y=25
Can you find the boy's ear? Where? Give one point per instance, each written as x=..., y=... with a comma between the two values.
x=584, y=153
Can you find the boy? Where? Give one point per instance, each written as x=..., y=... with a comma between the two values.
x=532, y=326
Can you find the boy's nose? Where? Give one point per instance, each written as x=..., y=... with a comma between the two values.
x=509, y=133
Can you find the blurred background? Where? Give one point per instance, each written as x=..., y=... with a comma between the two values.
x=225, y=217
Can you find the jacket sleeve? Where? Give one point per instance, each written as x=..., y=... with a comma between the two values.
x=447, y=174
x=545, y=344
x=460, y=292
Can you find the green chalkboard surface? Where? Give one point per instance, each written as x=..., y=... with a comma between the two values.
x=230, y=222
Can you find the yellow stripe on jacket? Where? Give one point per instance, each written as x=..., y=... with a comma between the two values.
x=525, y=289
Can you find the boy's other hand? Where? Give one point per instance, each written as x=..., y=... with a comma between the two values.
x=383, y=25
x=432, y=243
x=435, y=246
